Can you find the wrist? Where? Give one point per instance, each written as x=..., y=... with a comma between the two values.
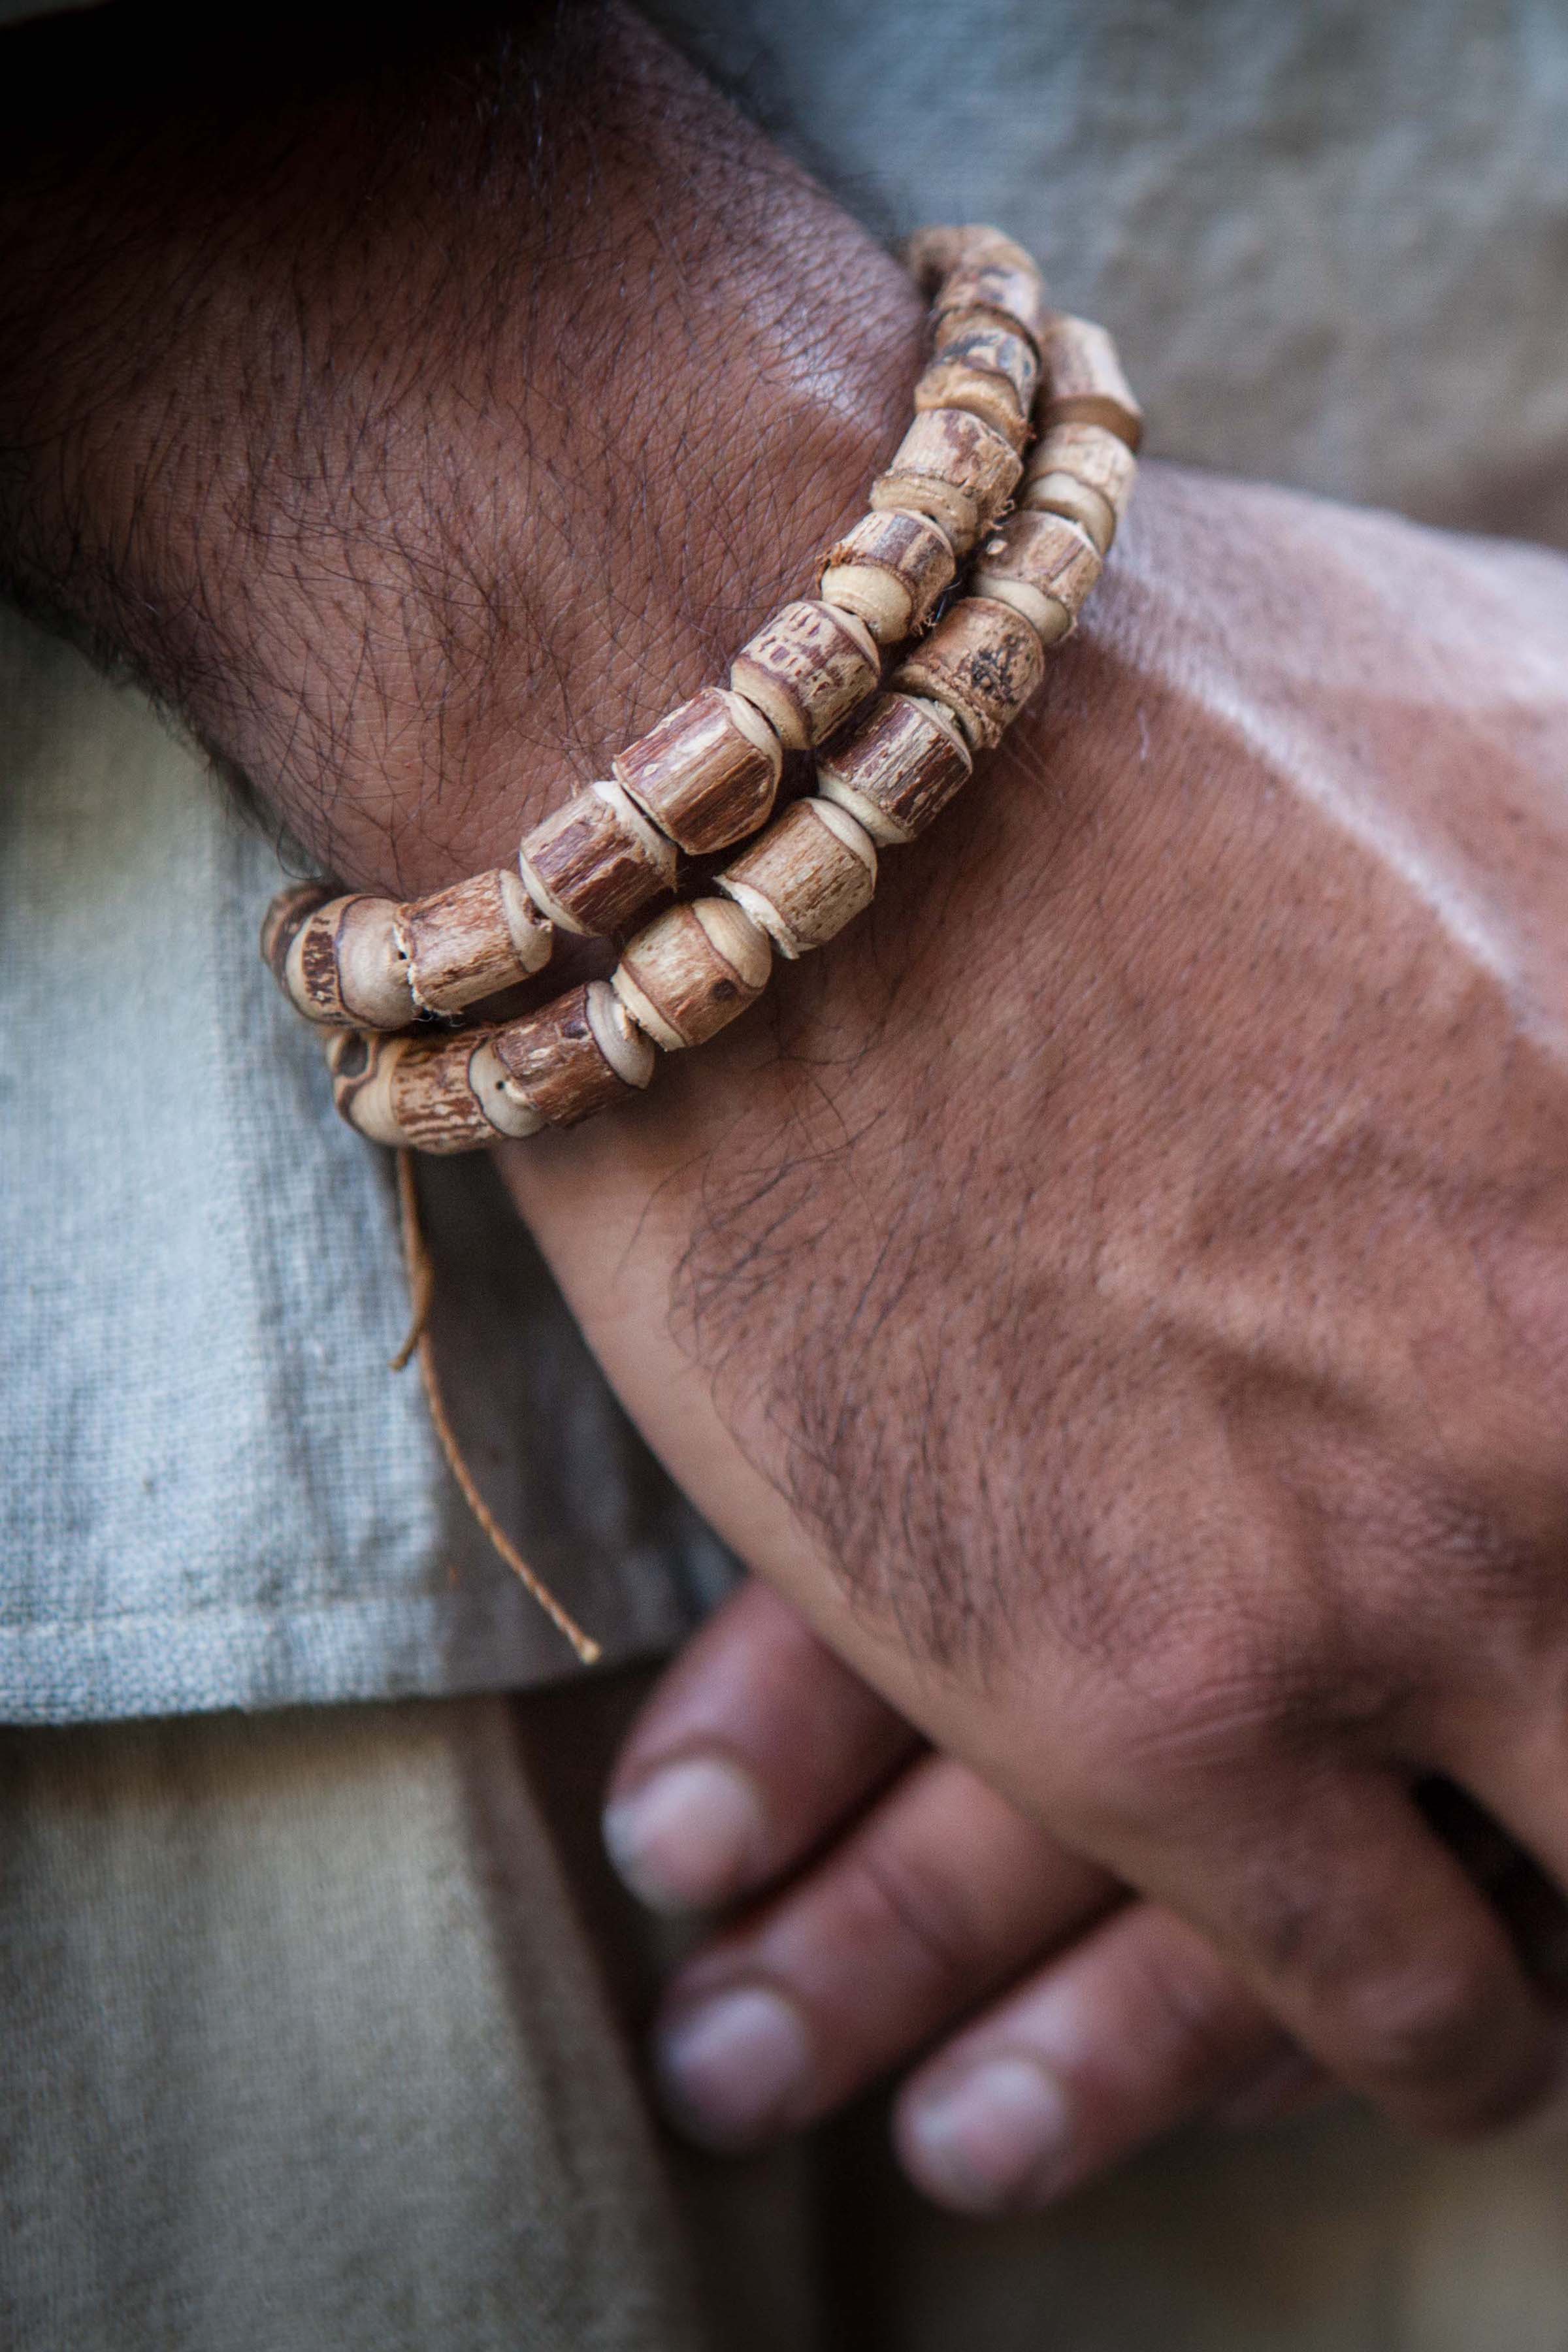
x=422, y=507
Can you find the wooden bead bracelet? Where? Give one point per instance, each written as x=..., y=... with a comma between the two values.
x=707, y=777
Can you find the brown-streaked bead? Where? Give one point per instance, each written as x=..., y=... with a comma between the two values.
x=1083, y=382
x=809, y=874
x=691, y=971
x=472, y=941
x=284, y=918
x=445, y=1094
x=580, y=1055
x=1010, y=292
x=806, y=669
x=344, y=967
x=895, y=767
x=706, y=774
x=986, y=369
x=951, y=466
x=1084, y=472
x=596, y=863
x=1043, y=566
x=889, y=572
x=981, y=663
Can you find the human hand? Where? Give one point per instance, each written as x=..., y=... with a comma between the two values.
x=1121, y=1296
x=894, y=1902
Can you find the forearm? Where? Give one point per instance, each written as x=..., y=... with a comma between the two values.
x=422, y=422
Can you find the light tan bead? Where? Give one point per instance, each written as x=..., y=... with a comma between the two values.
x=707, y=775
x=412, y=1093
x=811, y=871
x=1042, y=565
x=934, y=253
x=987, y=370
x=982, y=664
x=896, y=767
x=575, y=1056
x=1009, y=292
x=344, y=966
x=593, y=864
x=1083, y=381
x=362, y=1065
x=806, y=670
x=691, y=971
x=473, y=940
x=889, y=572
x=954, y=468
x=1085, y=473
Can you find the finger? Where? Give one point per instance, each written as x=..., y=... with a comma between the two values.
x=1510, y=1826
x=941, y=1894
x=1138, y=2027
x=754, y=1744
x=1360, y=1929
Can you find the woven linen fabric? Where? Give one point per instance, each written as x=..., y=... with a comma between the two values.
x=216, y=1492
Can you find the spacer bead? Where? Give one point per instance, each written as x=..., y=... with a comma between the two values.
x=889, y=572
x=806, y=669
x=691, y=971
x=1043, y=566
x=954, y=468
x=982, y=664
x=895, y=767
x=811, y=871
x=707, y=775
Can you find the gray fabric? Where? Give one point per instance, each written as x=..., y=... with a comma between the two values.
x=216, y=1492
x=1330, y=238
x=1328, y=235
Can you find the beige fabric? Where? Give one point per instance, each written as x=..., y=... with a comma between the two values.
x=306, y=2051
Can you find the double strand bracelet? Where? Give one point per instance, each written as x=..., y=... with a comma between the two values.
x=1003, y=367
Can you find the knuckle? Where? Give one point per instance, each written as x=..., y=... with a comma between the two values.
x=901, y=1902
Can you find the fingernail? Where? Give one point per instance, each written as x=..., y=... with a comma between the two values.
x=730, y=2068
x=689, y=1836
x=994, y=2137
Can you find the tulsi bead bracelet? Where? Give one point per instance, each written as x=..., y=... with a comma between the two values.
x=963, y=486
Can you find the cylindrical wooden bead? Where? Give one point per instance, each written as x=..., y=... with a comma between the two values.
x=809, y=874
x=896, y=767
x=982, y=664
x=889, y=572
x=954, y=468
x=987, y=370
x=707, y=775
x=934, y=253
x=1042, y=565
x=806, y=670
x=416, y=1093
x=472, y=941
x=594, y=862
x=691, y=971
x=344, y=966
x=1085, y=473
x=1083, y=381
x=575, y=1056
x=1011, y=292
